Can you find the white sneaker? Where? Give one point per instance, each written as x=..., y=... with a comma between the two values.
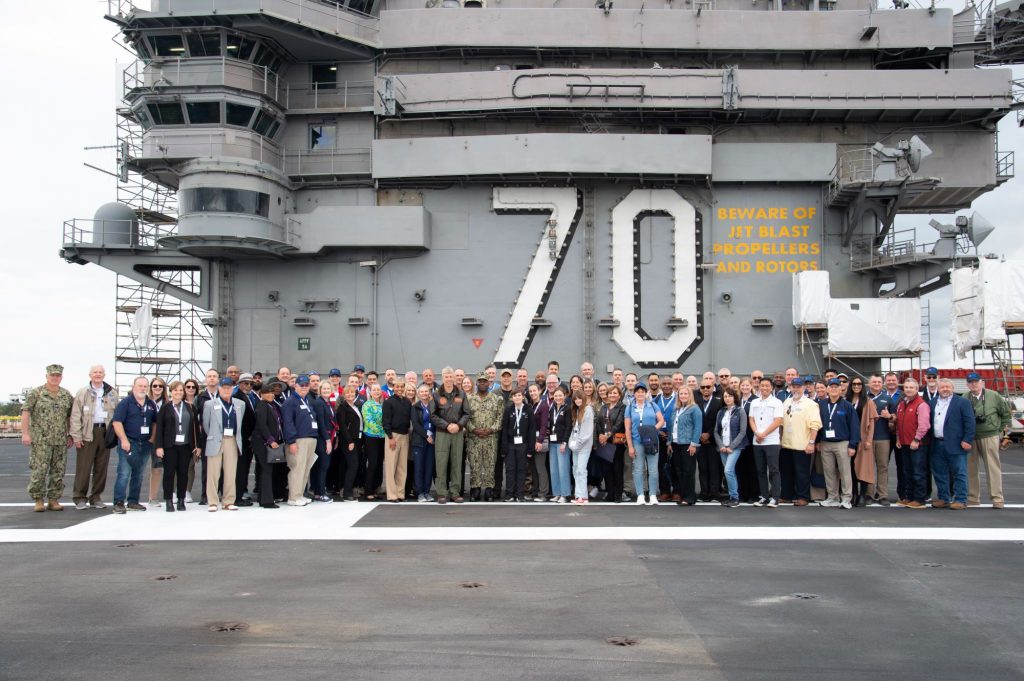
x=188, y=498
x=81, y=505
x=292, y=502
x=640, y=500
x=594, y=491
x=847, y=505
x=98, y=504
x=174, y=498
x=653, y=500
x=829, y=503
x=155, y=502
x=306, y=501
x=559, y=500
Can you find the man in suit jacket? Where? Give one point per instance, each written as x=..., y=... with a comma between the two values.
x=245, y=392
x=953, y=429
x=222, y=420
x=709, y=462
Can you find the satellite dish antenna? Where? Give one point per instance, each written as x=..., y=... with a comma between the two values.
x=916, y=151
x=978, y=229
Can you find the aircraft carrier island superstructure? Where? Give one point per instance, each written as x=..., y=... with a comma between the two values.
x=634, y=183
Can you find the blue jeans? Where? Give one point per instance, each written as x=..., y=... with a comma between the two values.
x=559, y=463
x=729, y=463
x=915, y=473
x=638, y=470
x=950, y=471
x=423, y=468
x=130, y=468
x=579, y=470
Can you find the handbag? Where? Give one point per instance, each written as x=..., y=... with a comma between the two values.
x=605, y=452
x=619, y=439
x=649, y=438
x=276, y=455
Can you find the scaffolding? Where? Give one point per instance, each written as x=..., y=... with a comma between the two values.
x=173, y=343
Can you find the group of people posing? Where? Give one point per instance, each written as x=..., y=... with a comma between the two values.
x=720, y=438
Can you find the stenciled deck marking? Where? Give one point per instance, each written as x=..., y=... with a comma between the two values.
x=337, y=522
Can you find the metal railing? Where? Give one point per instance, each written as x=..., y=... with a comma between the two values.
x=899, y=247
x=1017, y=99
x=113, y=234
x=216, y=142
x=1004, y=165
x=329, y=17
x=326, y=162
x=141, y=77
x=349, y=94
x=974, y=25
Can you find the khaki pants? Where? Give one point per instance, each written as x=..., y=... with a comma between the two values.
x=226, y=463
x=91, y=462
x=985, y=449
x=883, y=450
x=836, y=455
x=395, y=461
x=627, y=474
x=298, y=467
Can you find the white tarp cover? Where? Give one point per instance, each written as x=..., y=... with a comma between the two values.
x=874, y=325
x=142, y=325
x=811, y=295
x=1013, y=291
x=991, y=282
x=966, y=313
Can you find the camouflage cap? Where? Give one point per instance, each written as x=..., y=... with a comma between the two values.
x=52, y=369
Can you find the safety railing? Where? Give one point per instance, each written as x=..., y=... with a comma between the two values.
x=899, y=247
x=325, y=16
x=326, y=162
x=142, y=77
x=184, y=143
x=116, y=233
x=974, y=24
x=349, y=94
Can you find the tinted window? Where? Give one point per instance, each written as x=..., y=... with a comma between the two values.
x=239, y=114
x=218, y=200
x=167, y=45
x=203, y=112
x=166, y=114
x=144, y=120
x=263, y=123
x=239, y=47
x=204, y=45
x=323, y=76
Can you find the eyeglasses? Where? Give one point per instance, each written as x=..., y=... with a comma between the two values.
x=843, y=380
x=724, y=375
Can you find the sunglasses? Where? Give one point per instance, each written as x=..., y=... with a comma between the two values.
x=857, y=384
x=843, y=380
x=705, y=387
x=724, y=375
x=157, y=385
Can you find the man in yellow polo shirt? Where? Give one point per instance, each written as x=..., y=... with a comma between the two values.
x=801, y=421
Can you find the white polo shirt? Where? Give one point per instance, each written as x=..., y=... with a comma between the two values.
x=764, y=411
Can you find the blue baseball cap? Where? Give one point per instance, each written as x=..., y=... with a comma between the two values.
x=808, y=379
x=640, y=386
x=226, y=381
x=931, y=371
x=359, y=367
x=303, y=379
x=834, y=381
x=973, y=376
x=797, y=381
x=334, y=372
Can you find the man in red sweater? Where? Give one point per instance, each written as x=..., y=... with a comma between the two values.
x=912, y=422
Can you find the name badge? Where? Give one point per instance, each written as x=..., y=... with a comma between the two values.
x=303, y=407
x=517, y=440
x=179, y=439
x=229, y=432
x=144, y=430
x=830, y=434
x=553, y=437
x=314, y=425
x=217, y=406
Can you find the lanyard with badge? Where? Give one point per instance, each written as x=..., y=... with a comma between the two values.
x=830, y=433
x=144, y=428
x=553, y=436
x=518, y=438
x=312, y=416
x=179, y=438
x=228, y=411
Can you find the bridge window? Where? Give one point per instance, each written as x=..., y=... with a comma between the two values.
x=223, y=200
x=168, y=45
x=239, y=114
x=203, y=112
x=168, y=113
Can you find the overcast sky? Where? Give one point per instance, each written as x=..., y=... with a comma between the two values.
x=60, y=82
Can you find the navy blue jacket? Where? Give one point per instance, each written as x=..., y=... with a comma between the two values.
x=958, y=426
x=844, y=421
x=297, y=422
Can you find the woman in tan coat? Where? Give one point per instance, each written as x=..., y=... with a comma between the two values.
x=864, y=461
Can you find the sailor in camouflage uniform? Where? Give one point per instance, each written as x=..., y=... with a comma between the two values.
x=485, y=412
x=45, y=423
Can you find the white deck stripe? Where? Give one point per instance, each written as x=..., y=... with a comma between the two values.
x=336, y=521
